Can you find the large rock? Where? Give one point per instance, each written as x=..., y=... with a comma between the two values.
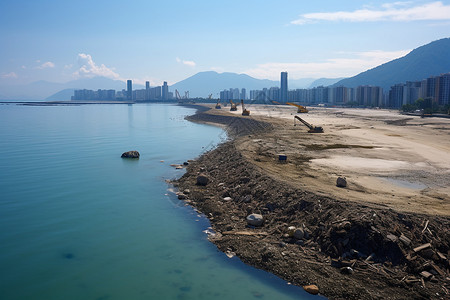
x=341, y=182
x=312, y=289
x=255, y=220
x=202, y=180
x=130, y=154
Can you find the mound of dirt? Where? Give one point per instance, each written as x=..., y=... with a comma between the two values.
x=348, y=249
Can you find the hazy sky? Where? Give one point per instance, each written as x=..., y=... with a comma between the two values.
x=58, y=40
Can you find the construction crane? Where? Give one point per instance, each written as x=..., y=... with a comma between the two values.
x=177, y=95
x=233, y=106
x=312, y=128
x=186, y=95
x=244, y=111
x=218, y=106
x=300, y=108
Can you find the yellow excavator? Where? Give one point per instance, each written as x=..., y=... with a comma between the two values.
x=312, y=128
x=233, y=106
x=218, y=106
x=244, y=111
x=300, y=108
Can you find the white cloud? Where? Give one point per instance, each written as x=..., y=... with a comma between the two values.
x=330, y=68
x=397, y=11
x=88, y=68
x=10, y=75
x=189, y=63
x=46, y=65
x=67, y=67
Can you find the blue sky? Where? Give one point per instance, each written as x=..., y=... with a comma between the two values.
x=171, y=40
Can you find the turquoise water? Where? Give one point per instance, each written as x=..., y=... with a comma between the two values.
x=79, y=222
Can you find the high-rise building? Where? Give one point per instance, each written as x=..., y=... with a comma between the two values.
x=165, y=91
x=129, y=90
x=147, y=90
x=284, y=87
x=243, y=94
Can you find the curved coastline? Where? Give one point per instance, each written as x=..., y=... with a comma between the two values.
x=332, y=227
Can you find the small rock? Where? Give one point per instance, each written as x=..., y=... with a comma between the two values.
x=298, y=234
x=227, y=199
x=187, y=191
x=312, y=289
x=341, y=182
x=202, y=180
x=130, y=154
x=181, y=196
x=255, y=220
x=291, y=230
x=347, y=270
x=186, y=163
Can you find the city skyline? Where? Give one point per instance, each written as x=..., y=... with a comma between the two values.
x=156, y=42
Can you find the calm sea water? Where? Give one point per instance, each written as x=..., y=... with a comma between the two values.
x=79, y=222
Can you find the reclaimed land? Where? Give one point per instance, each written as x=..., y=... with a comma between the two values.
x=350, y=249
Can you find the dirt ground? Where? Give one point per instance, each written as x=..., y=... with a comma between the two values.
x=389, y=159
x=385, y=236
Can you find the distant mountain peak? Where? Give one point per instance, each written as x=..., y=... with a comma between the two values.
x=428, y=60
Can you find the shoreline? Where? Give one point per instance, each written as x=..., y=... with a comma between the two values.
x=367, y=238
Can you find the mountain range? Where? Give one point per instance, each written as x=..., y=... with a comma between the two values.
x=428, y=60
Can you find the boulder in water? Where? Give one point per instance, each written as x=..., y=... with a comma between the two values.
x=130, y=154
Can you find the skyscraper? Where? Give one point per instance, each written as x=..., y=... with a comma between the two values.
x=147, y=90
x=284, y=87
x=165, y=91
x=129, y=90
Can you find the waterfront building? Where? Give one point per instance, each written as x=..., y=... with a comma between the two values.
x=165, y=91
x=129, y=90
x=284, y=87
x=444, y=89
x=243, y=94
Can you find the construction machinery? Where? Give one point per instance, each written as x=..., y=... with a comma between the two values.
x=244, y=111
x=233, y=106
x=312, y=128
x=300, y=108
x=218, y=106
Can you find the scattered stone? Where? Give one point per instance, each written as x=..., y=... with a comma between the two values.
x=179, y=167
x=298, y=234
x=291, y=230
x=341, y=182
x=227, y=199
x=347, y=270
x=312, y=289
x=185, y=163
x=202, y=169
x=130, y=154
x=181, y=196
x=255, y=220
x=202, y=180
x=187, y=191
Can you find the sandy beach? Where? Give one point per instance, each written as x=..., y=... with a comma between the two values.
x=389, y=225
